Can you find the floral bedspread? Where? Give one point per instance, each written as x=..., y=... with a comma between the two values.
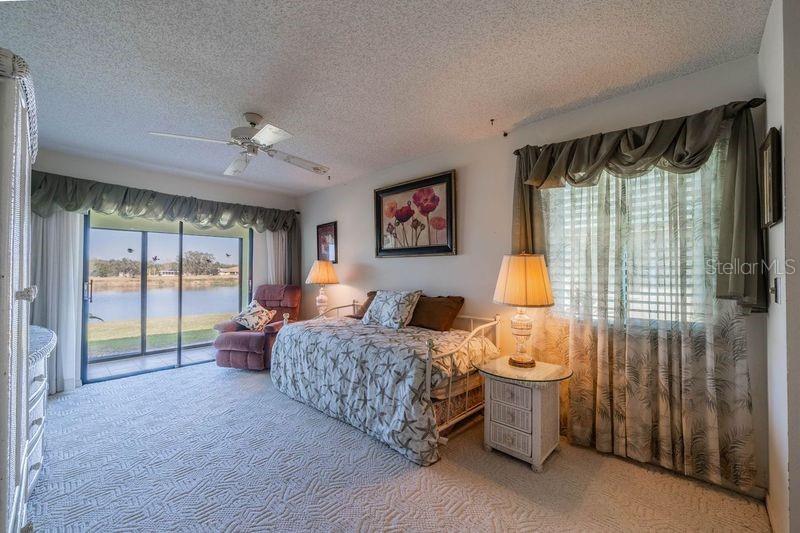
x=372, y=377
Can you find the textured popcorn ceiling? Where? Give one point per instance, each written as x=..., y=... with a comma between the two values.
x=362, y=85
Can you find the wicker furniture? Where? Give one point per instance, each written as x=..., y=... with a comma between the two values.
x=521, y=409
x=251, y=350
x=41, y=344
x=17, y=154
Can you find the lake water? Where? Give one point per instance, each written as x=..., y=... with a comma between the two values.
x=163, y=302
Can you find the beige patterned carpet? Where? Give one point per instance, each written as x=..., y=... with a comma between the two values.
x=210, y=449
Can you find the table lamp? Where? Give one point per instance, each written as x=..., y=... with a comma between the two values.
x=523, y=282
x=322, y=273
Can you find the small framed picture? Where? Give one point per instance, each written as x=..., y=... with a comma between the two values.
x=417, y=217
x=326, y=242
x=771, y=179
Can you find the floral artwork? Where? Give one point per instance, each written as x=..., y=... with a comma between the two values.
x=410, y=224
x=416, y=218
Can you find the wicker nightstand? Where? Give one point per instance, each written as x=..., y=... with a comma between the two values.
x=521, y=409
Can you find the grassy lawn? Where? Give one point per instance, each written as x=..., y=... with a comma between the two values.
x=123, y=336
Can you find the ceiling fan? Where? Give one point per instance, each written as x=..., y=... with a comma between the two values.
x=259, y=136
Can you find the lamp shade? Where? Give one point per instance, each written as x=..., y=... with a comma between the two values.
x=523, y=282
x=322, y=273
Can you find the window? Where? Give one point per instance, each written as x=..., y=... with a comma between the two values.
x=635, y=248
x=154, y=290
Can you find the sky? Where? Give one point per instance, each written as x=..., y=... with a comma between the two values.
x=114, y=244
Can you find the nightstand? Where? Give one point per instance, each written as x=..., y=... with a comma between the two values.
x=521, y=409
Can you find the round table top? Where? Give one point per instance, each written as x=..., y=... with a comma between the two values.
x=41, y=342
x=542, y=372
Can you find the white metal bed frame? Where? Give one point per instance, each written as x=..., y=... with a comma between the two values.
x=486, y=324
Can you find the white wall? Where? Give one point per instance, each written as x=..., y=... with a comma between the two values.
x=145, y=178
x=791, y=145
x=770, y=67
x=485, y=171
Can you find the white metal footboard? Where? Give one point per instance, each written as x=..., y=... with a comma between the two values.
x=489, y=325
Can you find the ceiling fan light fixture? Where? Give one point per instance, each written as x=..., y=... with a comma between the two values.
x=239, y=164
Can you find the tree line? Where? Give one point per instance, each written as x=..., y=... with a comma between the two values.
x=195, y=263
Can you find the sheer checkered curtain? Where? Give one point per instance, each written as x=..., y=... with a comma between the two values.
x=661, y=373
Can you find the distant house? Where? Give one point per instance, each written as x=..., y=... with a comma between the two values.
x=229, y=271
x=167, y=272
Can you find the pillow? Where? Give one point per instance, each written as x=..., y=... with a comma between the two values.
x=392, y=309
x=436, y=313
x=364, y=306
x=255, y=317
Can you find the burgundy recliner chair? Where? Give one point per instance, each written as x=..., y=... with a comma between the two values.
x=238, y=347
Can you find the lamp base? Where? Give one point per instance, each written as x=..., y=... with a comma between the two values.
x=322, y=301
x=522, y=361
x=521, y=328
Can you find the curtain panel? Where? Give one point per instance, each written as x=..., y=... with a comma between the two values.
x=57, y=269
x=680, y=145
x=276, y=257
x=660, y=364
x=51, y=192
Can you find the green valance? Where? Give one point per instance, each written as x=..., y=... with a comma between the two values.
x=680, y=145
x=50, y=192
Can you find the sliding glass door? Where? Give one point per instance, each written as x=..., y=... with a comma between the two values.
x=162, y=302
x=114, y=295
x=153, y=292
x=212, y=283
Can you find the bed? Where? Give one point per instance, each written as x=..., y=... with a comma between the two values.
x=403, y=387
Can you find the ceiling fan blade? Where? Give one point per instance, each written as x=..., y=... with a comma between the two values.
x=298, y=161
x=238, y=165
x=190, y=137
x=269, y=135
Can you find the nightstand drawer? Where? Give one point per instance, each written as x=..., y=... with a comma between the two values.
x=511, y=416
x=511, y=439
x=511, y=394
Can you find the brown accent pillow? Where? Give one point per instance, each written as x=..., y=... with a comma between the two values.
x=436, y=312
x=364, y=306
